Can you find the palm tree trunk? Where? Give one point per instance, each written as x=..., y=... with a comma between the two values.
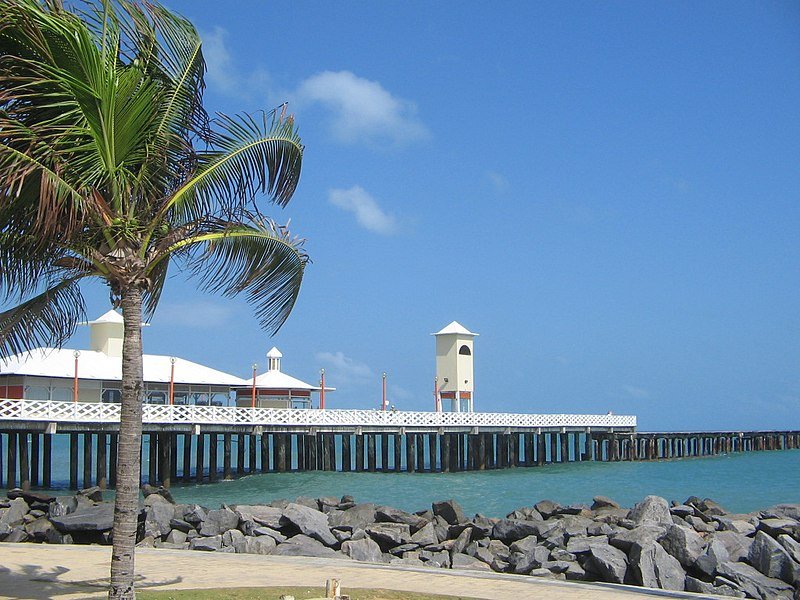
x=126, y=504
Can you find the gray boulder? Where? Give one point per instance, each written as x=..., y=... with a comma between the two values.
x=737, y=545
x=547, y=508
x=99, y=517
x=357, y=517
x=425, y=536
x=791, y=545
x=701, y=587
x=218, y=522
x=387, y=514
x=450, y=511
x=15, y=513
x=771, y=558
x=524, y=562
x=365, y=550
x=682, y=543
x=63, y=505
x=159, y=516
x=176, y=536
x=624, y=539
x=463, y=561
x=601, y=502
x=303, y=545
x=715, y=554
x=508, y=530
x=651, y=566
x=206, y=544
x=754, y=583
x=776, y=527
x=262, y=515
x=653, y=509
x=388, y=535
x=310, y=522
x=256, y=545
x=269, y=532
x=608, y=562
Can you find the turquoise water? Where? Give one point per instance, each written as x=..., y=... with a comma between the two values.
x=740, y=482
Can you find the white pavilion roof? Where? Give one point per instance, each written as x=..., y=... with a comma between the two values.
x=279, y=380
x=454, y=328
x=55, y=362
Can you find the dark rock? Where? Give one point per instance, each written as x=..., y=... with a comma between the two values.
x=426, y=536
x=776, y=527
x=609, y=562
x=771, y=558
x=547, y=508
x=269, y=532
x=450, y=511
x=601, y=502
x=681, y=510
x=94, y=518
x=218, y=522
x=357, y=517
x=462, y=561
x=754, y=583
x=387, y=514
x=94, y=493
x=651, y=566
x=625, y=538
x=176, y=536
x=207, y=544
x=524, y=562
x=365, y=550
x=262, y=515
x=525, y=514
x=701, y=526
x=388, y=535
x=232, y=537
x=791, y=545
x=716, y=553
x=195, y=514
x=311, y=503
x=782, y=511
x=63, y=505
x=160, y=516
x=30, y=497
x=18, y=534
x=597, y=529
x=682, y=543
x=15, y=513
x=303, y=545
x=149, y=490
x=440, y=559
x=39, y=529
x=256, y=545
x=701, y=587
x=653, y=509
x=461, y=542
x=508, y=531
x=180, y=525
x=310, y=522
x=737, y=545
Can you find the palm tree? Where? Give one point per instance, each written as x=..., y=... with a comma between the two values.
x=110, y=168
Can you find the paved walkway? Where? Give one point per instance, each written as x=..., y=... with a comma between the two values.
x=34, y=571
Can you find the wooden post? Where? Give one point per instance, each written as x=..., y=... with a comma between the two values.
x=47, y=460
x=11, y=466
x=87, y=460
x=454, y=466
x=359, y=452
x=35, y=458
x=371, y=458
x=112, y=460
x=564, y=446
x=346, y=453
x=102, y=461
x=576, y=446
x=240, y=454
x=152, y=456
x=251, y=453
x=420, y=452
x=513, y=450
x=213, y=447
x=73, y=461
x=432, y=452
x=187, y=457
x=226, y=456
x=332, y=451
x=264, y=452
x=173, y=456
x=398, y=451
x=313, y=463
x=280, y=443
x=164, y=460
x=445, y=451
x=24, y=463
x=410, y=452
x=200, y=457
x=385, y=452
x=482, y=437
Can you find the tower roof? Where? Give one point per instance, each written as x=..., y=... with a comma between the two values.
x=111, y=316
x=455, y=328
x=274, y=353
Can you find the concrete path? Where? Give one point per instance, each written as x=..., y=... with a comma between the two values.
x=34, y=571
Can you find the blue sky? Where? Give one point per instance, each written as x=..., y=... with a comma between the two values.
x=606, y=192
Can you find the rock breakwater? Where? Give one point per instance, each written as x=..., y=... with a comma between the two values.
x=695, y=545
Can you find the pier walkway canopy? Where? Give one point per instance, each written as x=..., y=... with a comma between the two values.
x=94, y=375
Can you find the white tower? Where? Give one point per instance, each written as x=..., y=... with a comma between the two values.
x=106, y=334
x=454, y=367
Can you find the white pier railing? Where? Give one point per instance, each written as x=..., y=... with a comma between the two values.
x=88, y=412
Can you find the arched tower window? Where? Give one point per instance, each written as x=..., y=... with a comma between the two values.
x=464, y=350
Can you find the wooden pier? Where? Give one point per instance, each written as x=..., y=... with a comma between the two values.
x=198, y=444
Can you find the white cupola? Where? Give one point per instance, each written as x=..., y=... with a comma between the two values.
x=274, y=359
x=454, y=366
x=106, y=334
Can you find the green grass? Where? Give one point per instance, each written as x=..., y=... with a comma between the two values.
x=273, y=593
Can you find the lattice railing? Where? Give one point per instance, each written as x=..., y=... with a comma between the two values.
x=86, y=412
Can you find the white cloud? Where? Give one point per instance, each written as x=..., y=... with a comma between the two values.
x=636, y=392
x=344, y=367
x=362, y=110
x=367, y=211
x=201, y=315
x=222, y=73
x=498, y=181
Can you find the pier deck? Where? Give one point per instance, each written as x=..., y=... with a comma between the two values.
x=205, y=443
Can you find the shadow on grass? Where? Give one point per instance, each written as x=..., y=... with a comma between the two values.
x=38, y=582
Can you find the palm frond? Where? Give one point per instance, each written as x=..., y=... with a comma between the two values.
x=248, y=157
x=48, y=319
x=262, y=260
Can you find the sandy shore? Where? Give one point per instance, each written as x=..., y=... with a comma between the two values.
x=63, y=572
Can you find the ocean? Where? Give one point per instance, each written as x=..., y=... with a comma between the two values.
x=740, y=482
